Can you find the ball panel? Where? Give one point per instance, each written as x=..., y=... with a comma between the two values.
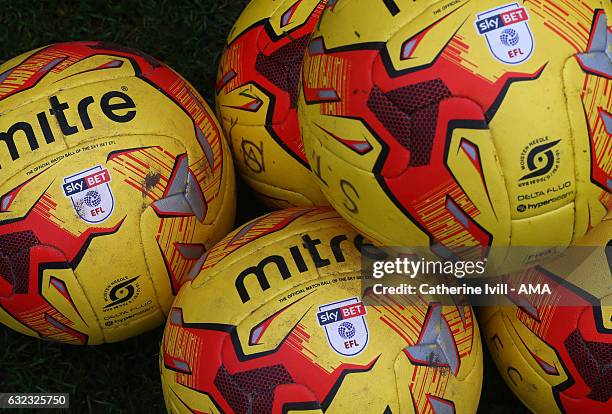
x=280, y=16
x=543, y=229
x=265, y=166
x=587, y=95
x=7, y=66
x=256, y=98
x=57, y=308
x=32, y=68
x=361, y=197
x=281, y=197
x=524, y=379
x=13, y=323
x=553, y=355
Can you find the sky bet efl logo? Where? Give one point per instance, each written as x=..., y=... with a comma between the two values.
x=91, y=194
x=507, y=32
x=345, y=326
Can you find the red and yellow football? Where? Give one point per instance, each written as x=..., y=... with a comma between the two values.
x=114, y=178
x=555, y=351
x=463, y=123
x=278, y=321
x=257, y=91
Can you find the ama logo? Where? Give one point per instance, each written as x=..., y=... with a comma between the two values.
x=507, y=32
x=345, y=326
x=91, y=194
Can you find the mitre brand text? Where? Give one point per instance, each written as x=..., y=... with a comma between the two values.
x=321, y=254
x=116, y=106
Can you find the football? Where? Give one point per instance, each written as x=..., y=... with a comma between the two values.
x=465, y=123
x=257, y=89
x=555, y=351
x=276, y=321
x=114, y=179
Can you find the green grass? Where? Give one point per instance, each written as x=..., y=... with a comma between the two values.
x=117, y=378
x=188, y=36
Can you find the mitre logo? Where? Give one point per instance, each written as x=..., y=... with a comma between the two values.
x=117, y=106
x=313, y=254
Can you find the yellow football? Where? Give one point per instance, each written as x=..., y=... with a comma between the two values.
x=114, y=179
x=276, y=322
x=555, y=351
x=257, y=91
x=462, y=123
